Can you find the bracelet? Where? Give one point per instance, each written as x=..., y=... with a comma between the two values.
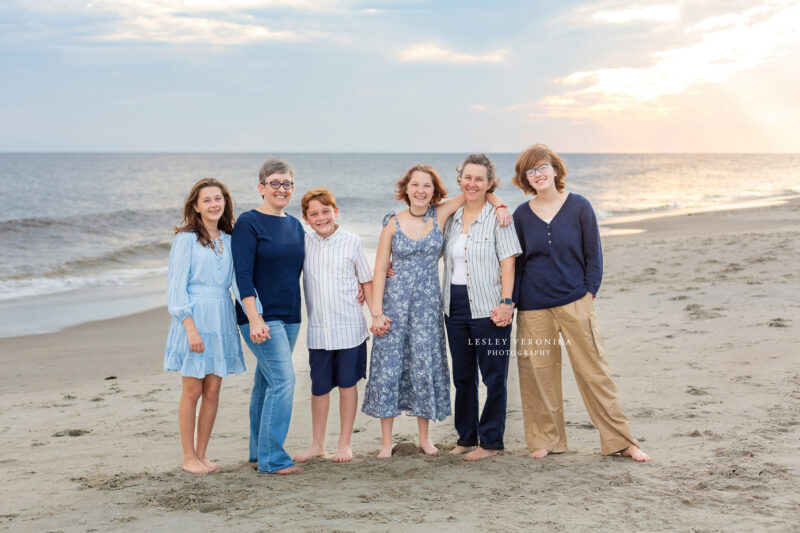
x=501, y=205
x=378, y=315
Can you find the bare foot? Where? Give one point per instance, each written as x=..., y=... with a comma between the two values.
x=288, y=470
x=343, y=455
x=385, y=453
x=541, y=453
x=429, y=448
x=312, y=451
x=479, y=453
x=212, y=467
x=195, y=466
x=458, y=450
x=635, y=453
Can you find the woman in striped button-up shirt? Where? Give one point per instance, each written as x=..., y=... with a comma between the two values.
x=476, y=293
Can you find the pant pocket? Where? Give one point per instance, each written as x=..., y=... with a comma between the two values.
x=594, y=325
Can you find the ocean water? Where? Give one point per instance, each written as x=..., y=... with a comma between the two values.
x=89, y=221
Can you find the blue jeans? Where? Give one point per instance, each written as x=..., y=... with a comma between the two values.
x=273, y=394
x=477, y=344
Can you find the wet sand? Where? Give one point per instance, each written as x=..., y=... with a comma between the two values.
x=700, y=318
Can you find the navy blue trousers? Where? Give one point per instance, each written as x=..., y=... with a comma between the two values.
x=477, y=343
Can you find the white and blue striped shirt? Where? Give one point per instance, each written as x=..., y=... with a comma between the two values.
x=332, y=271
x=487, y=245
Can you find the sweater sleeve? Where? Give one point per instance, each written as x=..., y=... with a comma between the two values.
x=243, y=248
x=519, y=266
x=180, y=266
x=592, y=251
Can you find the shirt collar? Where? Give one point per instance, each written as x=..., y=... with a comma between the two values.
x=315, y=238
x=485, y=212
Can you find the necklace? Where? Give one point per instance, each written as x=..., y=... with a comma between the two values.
x=416, y=215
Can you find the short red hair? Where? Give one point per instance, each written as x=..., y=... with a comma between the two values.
x=320, y=194
x=533, y=156
x=439, y=192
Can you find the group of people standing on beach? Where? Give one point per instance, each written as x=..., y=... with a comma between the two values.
x=548, y=265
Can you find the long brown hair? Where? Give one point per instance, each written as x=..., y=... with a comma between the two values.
x=191, y=218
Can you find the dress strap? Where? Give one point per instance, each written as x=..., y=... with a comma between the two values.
x=431, y=213
x=388, y=217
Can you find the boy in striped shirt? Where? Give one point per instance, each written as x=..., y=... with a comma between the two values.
x=334, y=268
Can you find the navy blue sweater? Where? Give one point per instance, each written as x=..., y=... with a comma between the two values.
x=268, y=253
x=561, y=261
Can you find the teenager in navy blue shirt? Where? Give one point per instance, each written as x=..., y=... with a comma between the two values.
x=268, y=253
x=557, y=277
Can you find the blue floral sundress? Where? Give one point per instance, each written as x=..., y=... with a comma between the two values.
x=408, y=370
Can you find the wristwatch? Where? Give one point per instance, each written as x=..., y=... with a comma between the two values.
x=507, y=301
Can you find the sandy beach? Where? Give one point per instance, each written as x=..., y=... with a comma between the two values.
x=700, y=317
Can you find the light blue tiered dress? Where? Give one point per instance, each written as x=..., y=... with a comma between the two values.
x=408, y=371
x=198, y=285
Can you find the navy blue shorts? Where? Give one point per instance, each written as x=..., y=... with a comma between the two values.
x=337, y=368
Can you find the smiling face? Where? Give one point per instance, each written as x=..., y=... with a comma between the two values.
x=276, y=199
x=474, y=182
x=542, y=176
x=420, y=189
x=210, y=205
x=321, y=218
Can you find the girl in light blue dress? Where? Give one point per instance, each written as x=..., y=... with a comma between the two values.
x=203, y=342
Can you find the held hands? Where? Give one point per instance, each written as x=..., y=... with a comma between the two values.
x=195, y=341
x=389, y=271
x=380, y=325
x=503, y=216
x=259, y=331
x=502, y=315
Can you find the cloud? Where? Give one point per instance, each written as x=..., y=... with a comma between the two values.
x=216, y=22
x=659, y=13
x=185, y=30
x=433, y=53
x=727, y=45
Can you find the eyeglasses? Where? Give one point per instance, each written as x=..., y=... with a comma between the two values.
x=287, y=185
x=541, y=169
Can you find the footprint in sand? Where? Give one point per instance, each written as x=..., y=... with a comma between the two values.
x=71, y=433
x=778, y=323
x=696, y=312
x=695, y=391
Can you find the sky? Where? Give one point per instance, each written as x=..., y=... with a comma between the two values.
x=399, y=76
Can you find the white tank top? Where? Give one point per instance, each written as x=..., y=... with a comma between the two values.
x=459, y=254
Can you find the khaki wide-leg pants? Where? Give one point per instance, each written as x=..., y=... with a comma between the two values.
x=539, y=361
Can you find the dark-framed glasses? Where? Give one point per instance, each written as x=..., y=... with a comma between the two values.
x=287, y=185
x=541, y=169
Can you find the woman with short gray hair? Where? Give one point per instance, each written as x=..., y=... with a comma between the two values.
x=268, y=253
x=479, y=258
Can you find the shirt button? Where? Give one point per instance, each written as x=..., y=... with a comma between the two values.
x=549, y=242
x=467, y=273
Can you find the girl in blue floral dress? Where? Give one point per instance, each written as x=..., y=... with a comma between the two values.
x=203, y=341
x=408, y=366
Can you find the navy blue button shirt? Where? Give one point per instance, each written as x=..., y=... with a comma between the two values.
x=560, y=261
x=268, y=254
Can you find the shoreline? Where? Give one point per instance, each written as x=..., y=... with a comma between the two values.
x=82, y=306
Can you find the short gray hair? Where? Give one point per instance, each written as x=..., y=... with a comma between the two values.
x=274, y=165
x=480, y=159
